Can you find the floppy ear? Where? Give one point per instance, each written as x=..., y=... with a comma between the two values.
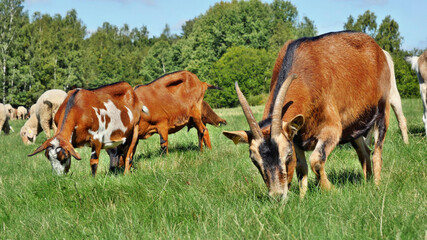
x=238, y=136
x=68, y=147
x=41, y=148
x=292, y=127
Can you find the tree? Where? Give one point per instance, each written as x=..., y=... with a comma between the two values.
x=406, y=78
x=250, y=67
x=283, y=31
x=11, y=15
x=388, y=36
x=284, y=11
x=187, y=27
x=157, y=62
x=251, y=23
x=365, y=23
x=306, y=28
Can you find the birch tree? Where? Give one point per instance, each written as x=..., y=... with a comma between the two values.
x=10, y=11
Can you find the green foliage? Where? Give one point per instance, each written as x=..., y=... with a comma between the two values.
x=388, y=36
x=306, y=28
x=115, y=54
x=251, y=68
x=42, y=52
x=240, y=23
x=406, y=78
x=12, y=19
x=365, y=23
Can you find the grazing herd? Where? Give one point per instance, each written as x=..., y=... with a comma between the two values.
x=326, y=90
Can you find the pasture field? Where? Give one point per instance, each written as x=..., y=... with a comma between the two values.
x=217, y=194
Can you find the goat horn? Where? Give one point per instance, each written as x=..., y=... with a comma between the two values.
x=255, y=129
x=276, y=119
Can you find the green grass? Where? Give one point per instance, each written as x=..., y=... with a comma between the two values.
x=216, y=194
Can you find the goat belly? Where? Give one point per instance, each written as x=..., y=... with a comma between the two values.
x=361, y=126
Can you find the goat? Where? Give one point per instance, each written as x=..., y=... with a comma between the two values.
x=173, y=101
x=341, y=92
x=101, y=118
x=419, y=65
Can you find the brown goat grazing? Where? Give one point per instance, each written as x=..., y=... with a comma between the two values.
x=341, y=91
x=419, y=65
x=101, y=118
x=173, y=101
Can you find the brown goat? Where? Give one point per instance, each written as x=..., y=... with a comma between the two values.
x=173, y=101
x=341, y=92
x=102, y=118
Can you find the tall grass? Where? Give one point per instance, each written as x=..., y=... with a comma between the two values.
x=216, y=194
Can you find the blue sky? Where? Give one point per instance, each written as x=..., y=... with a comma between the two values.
x=328, y=15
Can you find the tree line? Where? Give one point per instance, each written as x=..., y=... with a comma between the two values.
x=231, y=41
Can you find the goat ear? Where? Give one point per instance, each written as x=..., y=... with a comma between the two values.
x=68, y=147
x=292, y=127
x=238, y=136
x=41, y=148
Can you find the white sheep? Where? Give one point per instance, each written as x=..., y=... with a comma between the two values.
x=4, y=119
x=11, y=112
x=43, y=117
x=32, y=110
x=21, y=112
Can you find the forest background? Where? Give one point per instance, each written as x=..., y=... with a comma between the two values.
x=231, y=41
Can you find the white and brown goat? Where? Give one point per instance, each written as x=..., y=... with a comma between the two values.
x=341, y=91
x=419, y=65
x=101, y=118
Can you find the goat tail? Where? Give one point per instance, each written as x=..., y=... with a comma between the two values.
x=213, y=87
x=413, y=60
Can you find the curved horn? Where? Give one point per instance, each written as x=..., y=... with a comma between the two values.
x=255, y=129
x=45, y=145
x=276, y=118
